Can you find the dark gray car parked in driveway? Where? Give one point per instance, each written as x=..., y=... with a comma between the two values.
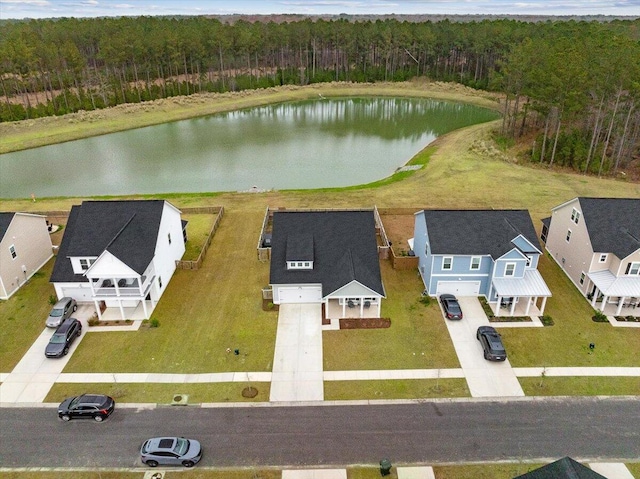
x=63, y=338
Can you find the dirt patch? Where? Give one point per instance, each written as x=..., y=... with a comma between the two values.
x=399, y=229
x=364, y=323
x=267, y=305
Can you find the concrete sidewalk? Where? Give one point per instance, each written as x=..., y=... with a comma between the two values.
x=484, y=378
x=611, y=470
x=297, y=363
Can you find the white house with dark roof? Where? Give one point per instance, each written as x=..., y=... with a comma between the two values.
x=596, y=241
x=119, y=255
x=329, y=258
x=490, y=253
x=25, y=247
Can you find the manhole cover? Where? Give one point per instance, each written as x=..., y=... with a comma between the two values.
x=249, y=392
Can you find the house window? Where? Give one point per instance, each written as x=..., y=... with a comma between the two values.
x=299, y=265
x=169, y=236
x=528, y=261
x=582, y=276
x=568, y=235
x=510, y=269
x=160, y=281
x=447, y=262
x=85, y=263
x=633, y=269
x=12, y=250
x=475, y=262
x=575, y=216
x=603, y=258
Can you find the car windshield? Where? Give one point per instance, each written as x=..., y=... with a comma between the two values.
x=182, y=446
x=55, y=313
x=58, y=339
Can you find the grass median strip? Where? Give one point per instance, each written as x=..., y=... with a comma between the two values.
x=395, y=389
x=581, y=386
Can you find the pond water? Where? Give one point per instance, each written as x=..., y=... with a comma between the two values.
x=309, y=144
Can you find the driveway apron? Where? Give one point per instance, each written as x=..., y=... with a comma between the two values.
x=297, y=363
x=484, y=378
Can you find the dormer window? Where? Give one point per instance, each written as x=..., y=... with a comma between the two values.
x=633, y=269
x=85, y=263
x=299, y=264
x=575, y=216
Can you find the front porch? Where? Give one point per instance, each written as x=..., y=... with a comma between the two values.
x=522, y=306
x=526, y=296
x=139, y=312
x=352, y=308
x=617, y=295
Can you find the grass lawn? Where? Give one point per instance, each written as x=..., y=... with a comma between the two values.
x=634, y=468
x=566, y=343
x=581, y=386
x=417, y=338
x=248, y=473
x=484, y=471
x=197, y=232
x=396, y=389
x=202, y=313
x=22, y=317
x=162, y=393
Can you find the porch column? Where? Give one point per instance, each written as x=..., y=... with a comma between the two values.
x=544, y=302
x=620, y=303
x=513, y=305
x=596, y=293
x=121, y=308
x=93, y=291
x=344, y=306
x=604, y=303
x=144, y=308
x=499, y=305
x=95, y=302
x=379, y=305
x=362, y=307
x=526, y=312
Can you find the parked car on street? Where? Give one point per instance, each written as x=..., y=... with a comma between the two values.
x=61, y=311
x=491, y=343
x=451, y=306
x=63, y=338
x=87, y=406
x=170, y=451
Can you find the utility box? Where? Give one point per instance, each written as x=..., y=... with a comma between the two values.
x=385, y=467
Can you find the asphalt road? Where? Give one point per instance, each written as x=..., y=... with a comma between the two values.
x=428, y=432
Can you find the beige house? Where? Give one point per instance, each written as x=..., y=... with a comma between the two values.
x=25, y=246
x=596, y=241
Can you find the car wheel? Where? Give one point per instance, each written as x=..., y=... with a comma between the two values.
x=65, y=417
x=98, y=418
x=152, y=463
x=486, y=356
x=79, y=332
x=188, y=463
x=66, y=351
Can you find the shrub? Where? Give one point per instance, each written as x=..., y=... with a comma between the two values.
x=154, y=323
x=93, y=321
x=426, y=300
x=599, y=317
x=546, y=320
x=52, y=299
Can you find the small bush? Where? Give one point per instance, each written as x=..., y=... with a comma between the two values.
x=52, y=299
x=270, y=305
x=426, y=300
x=546, y=320
x=93, y=321
x=599, y=317
x=154, y=323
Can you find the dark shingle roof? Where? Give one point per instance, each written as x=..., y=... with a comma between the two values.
x=478, y=232
x=344, y=249
x=613, y=224
x=5, y=221
x=127, y=229
x=565, y=468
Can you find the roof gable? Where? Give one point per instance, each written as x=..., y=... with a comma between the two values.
x=478, y=232
x=5, y=221
x=343, y=245
x=613, y=224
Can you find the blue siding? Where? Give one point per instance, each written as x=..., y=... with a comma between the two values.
x=420, y=241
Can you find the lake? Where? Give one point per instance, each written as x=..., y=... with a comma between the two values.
x=309, y=144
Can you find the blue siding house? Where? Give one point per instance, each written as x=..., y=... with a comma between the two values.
x=490, y=253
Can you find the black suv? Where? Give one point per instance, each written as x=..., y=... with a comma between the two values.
x=491, y=343
x=87, y=406
x=63, y=338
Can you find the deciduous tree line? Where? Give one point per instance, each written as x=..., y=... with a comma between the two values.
x=574, y=82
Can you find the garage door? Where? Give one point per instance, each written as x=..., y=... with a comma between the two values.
x=81, y=295
x=301, y=294
x=459, y=288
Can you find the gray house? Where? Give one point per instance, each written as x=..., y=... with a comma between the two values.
x=490, y=253
x=328, y=258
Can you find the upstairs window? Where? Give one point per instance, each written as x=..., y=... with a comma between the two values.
x=582, y=276
x=568, y=238
x=475, y=263
x=447, y=262
x=603, y=258
x=510, y=269
x=85, y=263
x=12, y=250
x=299, y=264
x=575, y=216
x=169, y=237
x=633, y=269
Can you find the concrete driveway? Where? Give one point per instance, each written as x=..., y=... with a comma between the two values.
x=35, y=374
x=485, y=378
x=297, y=363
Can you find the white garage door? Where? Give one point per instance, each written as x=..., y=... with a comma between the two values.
x=459, y=288
x=81, y=295
x=300, y=294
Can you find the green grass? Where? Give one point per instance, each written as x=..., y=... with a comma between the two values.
x=197, y=233
x=417, y=338
x=162, y=393
x=581, y=386
x=484, y=471
x=634, y=468
x=197, y=473
x=202, y=313
x=566, y=343
x=395, y=389
x=22, y=317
